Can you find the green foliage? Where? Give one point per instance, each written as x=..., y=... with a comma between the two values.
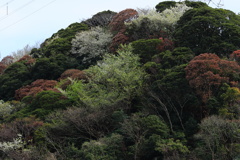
x=57, y=46
x=100, y=19
x=14, y=77
x=171, y=148
x=146, y=48
x=107, y=148
x=67, y=33
x=230, y=98
x=139, y=130
x=165, y=5
x=60, y=42
x=219, y=137
x=168, y=4
x=5, y=109
x=51, y=68
x=113, y=109
x=217, y=31
x=117, y=78
x=178, y=56
x=43, y=104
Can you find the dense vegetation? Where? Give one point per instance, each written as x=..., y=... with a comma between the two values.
x=139, y=84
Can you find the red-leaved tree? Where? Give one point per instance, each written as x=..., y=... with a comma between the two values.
x=73, y=74
x=7, y=60
x=236, y=56
x=117, y=26
x=35, y=87
x=117, y=23
x=207, y=72
x=27, y=59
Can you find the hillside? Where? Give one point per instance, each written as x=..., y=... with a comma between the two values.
x=140, y=84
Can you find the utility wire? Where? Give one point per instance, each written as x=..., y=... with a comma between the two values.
x=6, y=4
x=16, y=10
x=26, y=16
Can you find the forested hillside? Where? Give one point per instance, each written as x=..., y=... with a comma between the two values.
x=145, y=84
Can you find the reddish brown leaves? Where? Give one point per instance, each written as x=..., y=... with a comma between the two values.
x=236, y=56
x=74, y=74
x=35, y=87
x=207, y=72
x=166, y=44
x=7, y=60
x=25, y=126
x=117, y=23
x=118, y=39
x=27, y=59
x=118, y=27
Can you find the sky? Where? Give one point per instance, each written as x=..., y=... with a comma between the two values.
x=30, y=22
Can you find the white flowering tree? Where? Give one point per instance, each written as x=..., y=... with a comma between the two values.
x=91, y=45
x=5, y=109
x=150, y=22
x=12, y=145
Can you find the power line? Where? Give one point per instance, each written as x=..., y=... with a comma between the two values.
x=26, y=16
x=6, y=4
x=16, y=10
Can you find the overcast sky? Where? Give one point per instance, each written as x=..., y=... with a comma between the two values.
x=25, y=22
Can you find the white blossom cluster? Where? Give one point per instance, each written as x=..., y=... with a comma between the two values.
x=91, y=44
x=165, y=20
x=15, y=144
x=5, y=108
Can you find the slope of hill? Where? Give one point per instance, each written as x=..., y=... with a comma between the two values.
x=139, y=84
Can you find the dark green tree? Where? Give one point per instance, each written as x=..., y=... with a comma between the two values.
x=13, y=78
x=168, y=4
x=100, y=19
x=208, y=30
x=146, y=48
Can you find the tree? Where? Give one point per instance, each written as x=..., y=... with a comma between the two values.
x=118, y=39
x=146, y=49
x=59, y=43
x=57, y=46
x=2, y=68
x=90, y=46
x=50, y=68
x=179, y=56
x=230, y=98
x=73, y=74
x=220, y=138
x=118, y=22
x=160, y=7
x=116, y=78
x=154, y=25
x=235, y=56
x=6, y=109
x=7, y=60
x=139, y=128
x=169, y=4
x=106, y=148
x=34, y=88
x=206, y=73
x=14, y=77
x=100, y=19
x=24, y=52
x=43, y=104
x=218, y=31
